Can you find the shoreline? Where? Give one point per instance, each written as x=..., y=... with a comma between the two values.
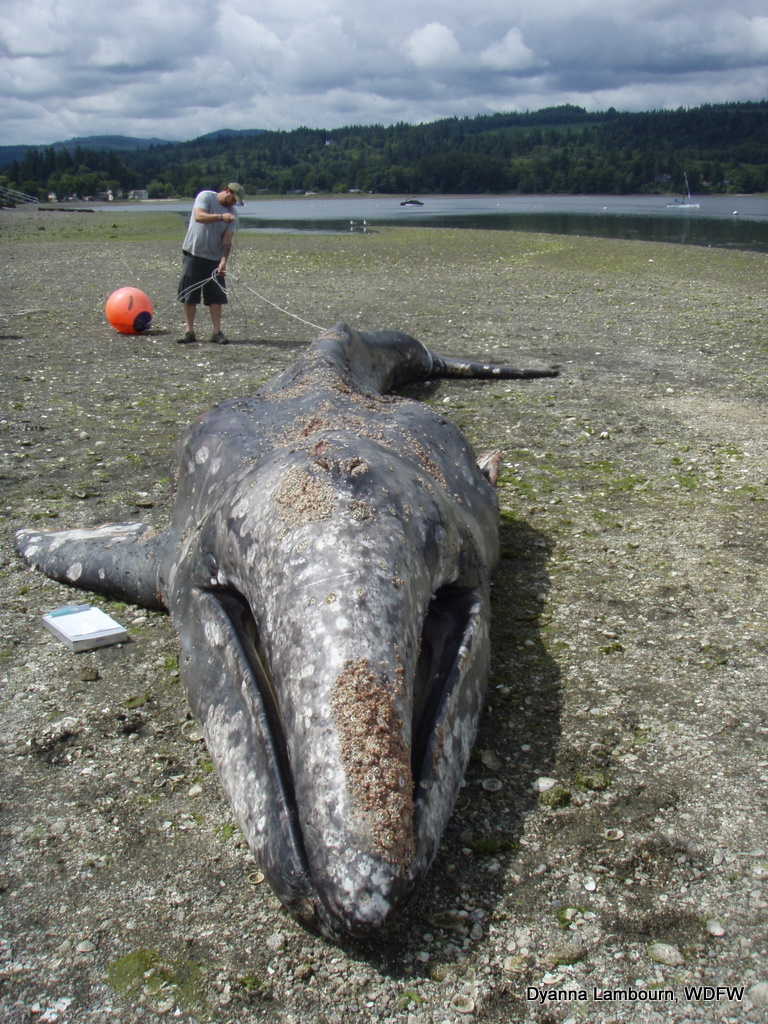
x=721, y=221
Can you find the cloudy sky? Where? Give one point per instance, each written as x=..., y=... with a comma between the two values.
x=150, y=68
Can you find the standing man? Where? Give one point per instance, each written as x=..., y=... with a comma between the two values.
x=207, y=245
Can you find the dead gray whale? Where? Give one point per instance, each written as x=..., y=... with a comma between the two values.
x=327, y=570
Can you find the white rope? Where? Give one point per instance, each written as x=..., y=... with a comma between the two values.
x=263, y=298
x=188, y=291
x=182, y=295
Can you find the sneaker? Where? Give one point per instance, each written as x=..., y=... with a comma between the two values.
x=219, y=339
x=188, y=338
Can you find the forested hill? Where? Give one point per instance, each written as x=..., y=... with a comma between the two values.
x=721, y=148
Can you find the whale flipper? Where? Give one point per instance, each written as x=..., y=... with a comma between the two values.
x=120, y=560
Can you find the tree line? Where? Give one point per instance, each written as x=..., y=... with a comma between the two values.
x=721, y=148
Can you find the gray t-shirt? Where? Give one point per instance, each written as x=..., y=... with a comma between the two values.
x=205, y=239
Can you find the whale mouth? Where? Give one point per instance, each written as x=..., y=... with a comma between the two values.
x=245, y=629
x=449, y=630
x=451, y=627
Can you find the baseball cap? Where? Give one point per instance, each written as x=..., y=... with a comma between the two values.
x=239, y=191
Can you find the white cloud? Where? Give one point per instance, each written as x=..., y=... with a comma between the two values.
x=243, y=33
x=510, y=55
x=432, y=46
x=743, y=38
x=759, y=28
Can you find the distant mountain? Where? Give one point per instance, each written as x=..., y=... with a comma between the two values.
x=230, y=133
x=116, y=143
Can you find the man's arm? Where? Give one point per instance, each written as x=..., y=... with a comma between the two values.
x=203, y=217
x=226, y=247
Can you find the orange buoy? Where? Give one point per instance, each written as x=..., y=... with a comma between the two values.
x=129, y=311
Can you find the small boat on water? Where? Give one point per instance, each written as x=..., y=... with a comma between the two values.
x=411, y=202
x=684, y=204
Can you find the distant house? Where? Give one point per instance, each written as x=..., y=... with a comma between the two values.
x=138, y=193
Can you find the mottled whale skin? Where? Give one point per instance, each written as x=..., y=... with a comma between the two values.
x=327, y=570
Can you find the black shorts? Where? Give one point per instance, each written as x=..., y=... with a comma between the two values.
x=197, y=271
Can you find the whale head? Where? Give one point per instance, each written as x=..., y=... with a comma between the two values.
x=334, y=624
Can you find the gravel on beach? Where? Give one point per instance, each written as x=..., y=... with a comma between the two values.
x=608, y=857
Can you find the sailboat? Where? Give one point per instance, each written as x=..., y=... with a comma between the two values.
x=684, y=204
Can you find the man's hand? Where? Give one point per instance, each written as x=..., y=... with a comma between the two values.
x=203, y=217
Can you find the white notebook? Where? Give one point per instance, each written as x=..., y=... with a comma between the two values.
x=82, y=627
